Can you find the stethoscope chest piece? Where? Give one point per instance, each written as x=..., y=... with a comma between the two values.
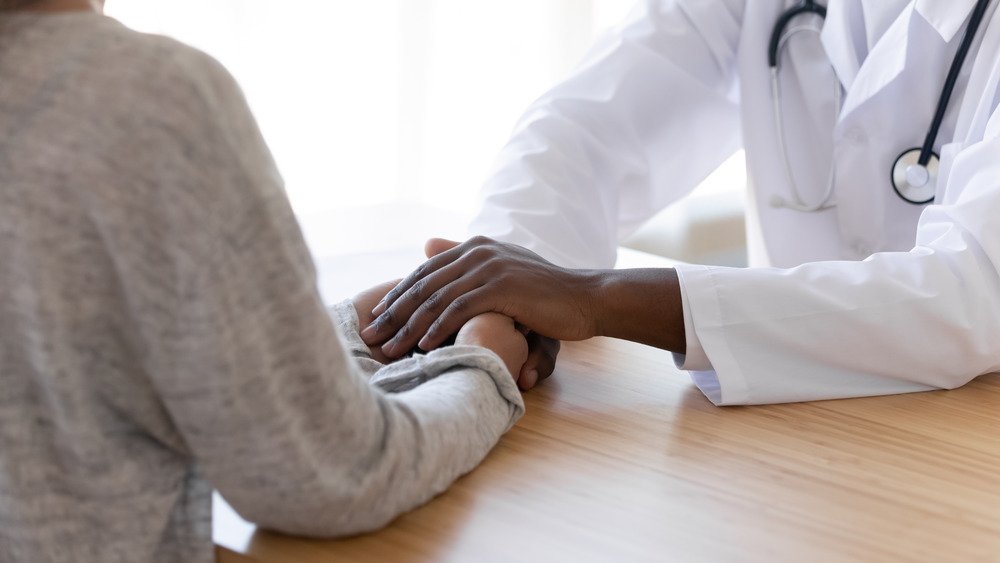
x=914, y=174
x=914, y=182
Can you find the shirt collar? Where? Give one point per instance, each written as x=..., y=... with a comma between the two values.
x=945, y=16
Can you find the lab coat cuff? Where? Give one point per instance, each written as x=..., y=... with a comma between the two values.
x=694, y=357
x=723, y=382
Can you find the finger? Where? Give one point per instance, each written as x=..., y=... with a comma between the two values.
x=427, y=311
x=431, y=294
x=393, y=311
x=445, y=252
x=541, y=362
x=422, y=271
x=432, y=248
x=371, y=294
x=405, y=298
x=462, y=308
x=363, y=301
x=436, y=246
x=380, y=291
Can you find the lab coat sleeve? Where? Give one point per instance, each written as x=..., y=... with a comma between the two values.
x=693, y=358
x=893, y=323
x=650, y=112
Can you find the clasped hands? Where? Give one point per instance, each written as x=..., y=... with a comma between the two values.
x=489, y=330
x=497, y=295
x=491, y=293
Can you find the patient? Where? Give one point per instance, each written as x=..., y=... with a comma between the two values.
x=162, y=333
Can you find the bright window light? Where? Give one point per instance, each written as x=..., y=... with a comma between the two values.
x=380, y=105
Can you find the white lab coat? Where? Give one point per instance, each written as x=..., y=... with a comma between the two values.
x=873, y=296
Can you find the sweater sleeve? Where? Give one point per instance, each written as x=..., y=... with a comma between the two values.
x=276, y=409
x=346, y=318
x=271, y=399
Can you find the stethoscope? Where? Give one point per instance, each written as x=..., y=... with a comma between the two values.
x=914, y=173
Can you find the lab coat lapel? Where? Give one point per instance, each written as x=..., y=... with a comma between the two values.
x=866, y=40
x=978, y=103
x=879, y=15
x=945, y=16
x=842, y=30
x=882, y=65
x=859, y=211
x=852, y=29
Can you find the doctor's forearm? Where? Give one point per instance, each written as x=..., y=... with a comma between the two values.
x=642, y=305
x=482, y=275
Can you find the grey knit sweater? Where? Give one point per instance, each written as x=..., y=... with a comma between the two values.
x=161, y=332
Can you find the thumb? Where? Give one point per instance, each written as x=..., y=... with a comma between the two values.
x=436, y=246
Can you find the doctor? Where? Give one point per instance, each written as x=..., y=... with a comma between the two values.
x=873, y=150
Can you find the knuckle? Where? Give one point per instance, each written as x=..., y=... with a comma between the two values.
x=461, y=304
x=404, y=332
x=417, y=291
x=386, y=319
x=419, y=272
x=498, y=271
x=392, y=294
x=406, y=300
x=434, y=302
x=395, y=293
x=482, y=254
x=495, y=267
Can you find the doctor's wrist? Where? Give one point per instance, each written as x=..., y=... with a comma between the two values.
x=641, y=305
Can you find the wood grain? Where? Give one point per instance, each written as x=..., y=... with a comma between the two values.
x=621, y=458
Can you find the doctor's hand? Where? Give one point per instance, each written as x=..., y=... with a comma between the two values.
x=542, y=350
x=363, y=304
x=482, y=275
x=479, y=276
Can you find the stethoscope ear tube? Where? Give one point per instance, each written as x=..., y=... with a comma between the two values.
x=778, y=38
x=782, y=23
x=914, y=172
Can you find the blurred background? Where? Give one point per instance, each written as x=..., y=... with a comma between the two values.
x=385, y=115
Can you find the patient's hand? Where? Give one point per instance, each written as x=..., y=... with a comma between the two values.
x=498, y=333
x=542, y=352
x=364, y=302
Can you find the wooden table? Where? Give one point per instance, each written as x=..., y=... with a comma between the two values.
x=621, y=458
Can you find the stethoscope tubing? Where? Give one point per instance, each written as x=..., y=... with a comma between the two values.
x=807, y=6
x=778, y=39
x=949, y=84
x=920, y=193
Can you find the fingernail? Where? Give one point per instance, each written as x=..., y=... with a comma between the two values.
x=379, y=309
x=424, y=343
x=368, y=332
x=388, y=348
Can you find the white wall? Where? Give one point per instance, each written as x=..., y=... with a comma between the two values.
x=374, y=108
